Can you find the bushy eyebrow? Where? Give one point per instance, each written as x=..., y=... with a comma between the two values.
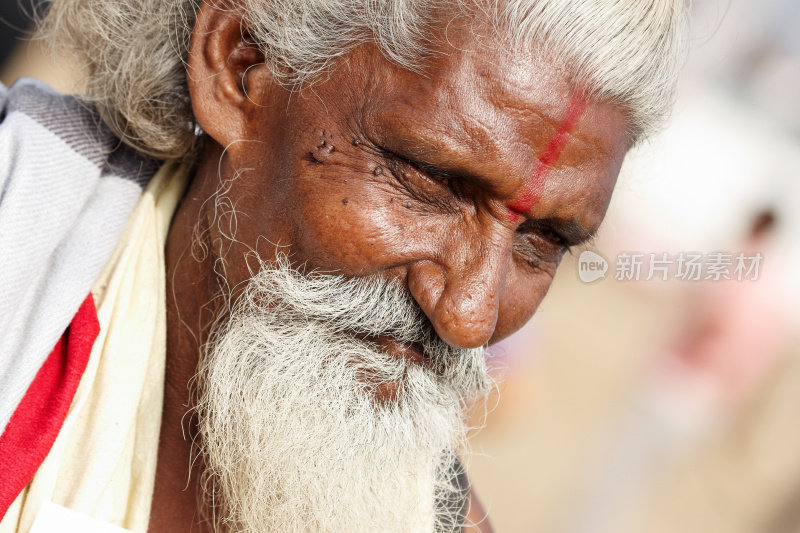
x=570, y=231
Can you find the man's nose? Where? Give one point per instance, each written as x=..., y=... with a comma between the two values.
x=460, y=290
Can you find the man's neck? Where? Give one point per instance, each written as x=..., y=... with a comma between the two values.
x=190, y=287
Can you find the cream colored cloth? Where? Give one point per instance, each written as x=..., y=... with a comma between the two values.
x=103, y=461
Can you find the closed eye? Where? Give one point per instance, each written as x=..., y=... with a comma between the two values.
x=428, y=170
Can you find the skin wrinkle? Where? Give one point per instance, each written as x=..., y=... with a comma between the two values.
x=448, y=152
x=436, y=100
x=533, y=186
x=475, y=276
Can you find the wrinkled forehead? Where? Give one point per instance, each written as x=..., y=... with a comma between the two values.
x=505, y=106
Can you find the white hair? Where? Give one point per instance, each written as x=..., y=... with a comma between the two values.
x=626, y=52
x=294, y=434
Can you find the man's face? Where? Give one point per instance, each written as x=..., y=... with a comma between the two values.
x=432, y=209
x=466, y=183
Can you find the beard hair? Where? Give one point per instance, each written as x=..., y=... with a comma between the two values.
x=292, y=435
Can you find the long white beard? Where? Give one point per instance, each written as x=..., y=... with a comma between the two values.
x=293, y=436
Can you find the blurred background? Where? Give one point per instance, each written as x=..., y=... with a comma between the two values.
x=672, y=406
x=22, y=57
x=661, y=405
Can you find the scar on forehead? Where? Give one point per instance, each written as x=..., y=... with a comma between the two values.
x=532, y=188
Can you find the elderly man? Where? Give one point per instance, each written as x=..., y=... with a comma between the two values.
x=344, y=202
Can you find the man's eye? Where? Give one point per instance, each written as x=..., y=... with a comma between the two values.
x=407, y=167
x=427, y=179
x=552, y=237
x=428, y=174
x=424, y=183
x=539, y=246
x=432, y=173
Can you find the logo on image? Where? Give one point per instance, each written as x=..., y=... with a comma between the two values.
x=591, y=266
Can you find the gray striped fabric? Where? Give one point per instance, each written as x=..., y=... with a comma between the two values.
x=67, y=187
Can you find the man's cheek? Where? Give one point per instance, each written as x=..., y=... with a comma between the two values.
x=359, y=226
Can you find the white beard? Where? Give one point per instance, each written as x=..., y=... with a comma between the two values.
x=290, y=429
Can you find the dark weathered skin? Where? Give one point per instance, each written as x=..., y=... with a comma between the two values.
x=320, y=181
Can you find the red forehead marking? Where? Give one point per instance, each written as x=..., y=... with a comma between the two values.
x=532, y=188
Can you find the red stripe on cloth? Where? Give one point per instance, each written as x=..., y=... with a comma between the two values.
x=33, y=427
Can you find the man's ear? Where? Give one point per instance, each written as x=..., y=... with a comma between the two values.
x=221, y=62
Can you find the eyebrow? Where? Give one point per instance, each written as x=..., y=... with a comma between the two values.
x=570, y=230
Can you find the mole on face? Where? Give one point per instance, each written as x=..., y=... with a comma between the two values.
x=324, y=148
x=532, y=188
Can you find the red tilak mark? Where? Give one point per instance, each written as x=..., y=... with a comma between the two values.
x=532, y=189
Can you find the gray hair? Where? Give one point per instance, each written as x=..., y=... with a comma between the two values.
x=626, y=52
